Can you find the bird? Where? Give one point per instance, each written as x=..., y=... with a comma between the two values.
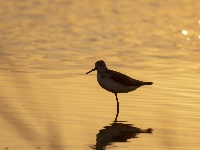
x=114, y=81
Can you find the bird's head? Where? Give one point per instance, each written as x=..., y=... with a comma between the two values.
x=99, y=66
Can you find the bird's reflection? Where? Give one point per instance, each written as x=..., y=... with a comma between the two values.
x=117, y=131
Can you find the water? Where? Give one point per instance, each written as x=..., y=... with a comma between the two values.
x=48, y=102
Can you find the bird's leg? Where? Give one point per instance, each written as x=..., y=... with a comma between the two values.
x=117, y=107
x=117, y=103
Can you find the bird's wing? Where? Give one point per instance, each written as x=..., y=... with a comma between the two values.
x=124, y=79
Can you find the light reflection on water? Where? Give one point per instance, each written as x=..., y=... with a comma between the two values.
x=47, y=101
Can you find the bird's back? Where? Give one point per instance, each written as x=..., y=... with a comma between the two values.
x=126, y=80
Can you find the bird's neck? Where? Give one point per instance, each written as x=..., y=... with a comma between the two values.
x=102, y=70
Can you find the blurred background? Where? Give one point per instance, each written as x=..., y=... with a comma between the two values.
x=48, y=102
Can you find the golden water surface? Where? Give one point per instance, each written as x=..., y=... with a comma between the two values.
x=48, y=102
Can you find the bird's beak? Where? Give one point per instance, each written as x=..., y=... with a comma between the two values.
x=92, y=70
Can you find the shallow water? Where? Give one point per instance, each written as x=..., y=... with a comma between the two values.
x=48, y=102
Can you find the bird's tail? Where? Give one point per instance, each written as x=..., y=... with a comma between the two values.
x=147, y=83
